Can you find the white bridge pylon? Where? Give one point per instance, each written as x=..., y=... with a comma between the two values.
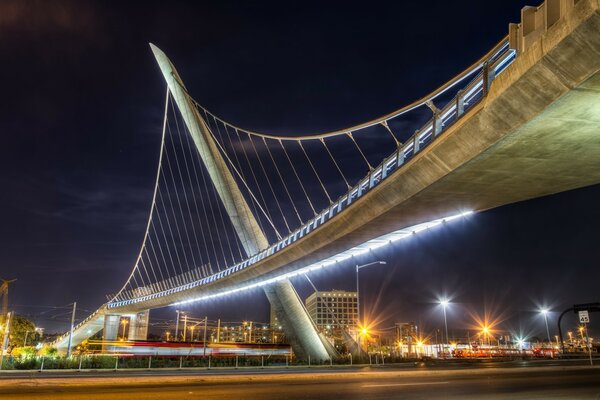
x=283, y=298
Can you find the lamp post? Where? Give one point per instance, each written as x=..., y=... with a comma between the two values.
x=359, y=267
x=544, y=312
x=177, y=324
x=184, y=327
x=445, y=303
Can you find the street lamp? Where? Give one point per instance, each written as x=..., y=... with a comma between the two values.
x=445, y=303
x=545, y=312
x=177, y=324
x=486, y=332
x=359, y=267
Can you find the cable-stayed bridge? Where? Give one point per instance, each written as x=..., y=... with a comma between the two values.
x=235, y=209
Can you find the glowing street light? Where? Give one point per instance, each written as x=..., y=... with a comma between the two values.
x=486, y=333
x=545, y=312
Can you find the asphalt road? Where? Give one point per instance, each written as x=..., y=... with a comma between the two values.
x=573, y=382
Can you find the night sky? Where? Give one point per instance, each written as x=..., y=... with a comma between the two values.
x=81, y=122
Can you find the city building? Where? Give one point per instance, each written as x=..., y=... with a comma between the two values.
x=406, y=331
x=332, y=310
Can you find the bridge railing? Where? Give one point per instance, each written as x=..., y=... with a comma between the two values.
x=464, y=100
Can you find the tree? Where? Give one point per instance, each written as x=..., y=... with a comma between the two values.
x=21, y=328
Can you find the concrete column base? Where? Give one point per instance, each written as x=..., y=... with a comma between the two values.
x=138, y=326
x=297, y=324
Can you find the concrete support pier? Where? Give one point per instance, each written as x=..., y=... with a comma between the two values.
x=283, y=297
x=138, y=326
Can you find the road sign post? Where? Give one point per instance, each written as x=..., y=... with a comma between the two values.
x=584, y=318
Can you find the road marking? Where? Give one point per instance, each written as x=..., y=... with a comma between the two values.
x=407, y=384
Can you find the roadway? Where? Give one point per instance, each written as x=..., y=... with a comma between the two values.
x=390, y=382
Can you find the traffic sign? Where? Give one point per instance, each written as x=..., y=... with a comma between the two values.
x=584, y=317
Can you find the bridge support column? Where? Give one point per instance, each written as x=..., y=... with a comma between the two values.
x=138, y=326
x=283, y=297
x=296, y=322
x=111, y=327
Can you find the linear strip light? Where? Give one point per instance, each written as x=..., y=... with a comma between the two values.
x=354, y=251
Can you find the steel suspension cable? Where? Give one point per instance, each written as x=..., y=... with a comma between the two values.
x=297, y=176
x=191, y=187
x=162, y=202
x=180, y=213
x=220, y=211
x=359, y=150
x=155, y=259
x=269, y=183
x=185, y=195
x=335, y=162
x=387, y=127
x=179, y=236
x=198, y=165
x=162, y=254
x=282, y=181
x=224, y=154
x=214, y=218
x=200, y=222
x=315, y=171
x=470, y=70
x=152, y=206
x=256, y=181
x=236, y=237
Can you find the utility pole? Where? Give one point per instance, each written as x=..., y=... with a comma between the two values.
x=4, y=344
x=204, y=340
x=177, y=325
x=4, y=294
x=71, y=331
x=184, y=327
x=218, y=330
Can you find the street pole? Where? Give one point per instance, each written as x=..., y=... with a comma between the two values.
x=544, y=312
x=359, y=322
x=177, y=325
x=205, y=323
x=25, y=340
x=589, y=345
x=547, y=329
x=71, y=331
x=184, y=327
x=446, y=343
x=218, y=330
x=4, y=344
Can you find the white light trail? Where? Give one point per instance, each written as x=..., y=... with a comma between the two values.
x=355, y=251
